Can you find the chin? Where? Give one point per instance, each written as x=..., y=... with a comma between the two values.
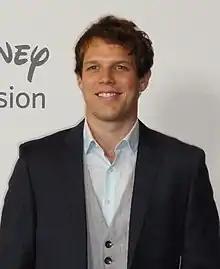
x=108, y=118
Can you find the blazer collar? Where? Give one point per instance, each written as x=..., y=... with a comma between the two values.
x=146, y=135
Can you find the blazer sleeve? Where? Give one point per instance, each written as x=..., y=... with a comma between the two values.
x=202, y=241
x=17, y=229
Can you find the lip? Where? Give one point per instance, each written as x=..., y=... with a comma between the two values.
x=108, y=90
x=117, y=93
x=109, y=98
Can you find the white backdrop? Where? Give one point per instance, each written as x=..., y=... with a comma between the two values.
x=183, y=98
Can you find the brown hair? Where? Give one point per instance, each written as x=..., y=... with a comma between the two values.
x=119, y=31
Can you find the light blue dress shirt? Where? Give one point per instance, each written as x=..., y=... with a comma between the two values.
x=110, y=180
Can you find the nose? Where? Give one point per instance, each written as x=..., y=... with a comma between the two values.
x=106, y=76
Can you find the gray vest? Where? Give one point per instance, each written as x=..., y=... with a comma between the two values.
x=107, y=245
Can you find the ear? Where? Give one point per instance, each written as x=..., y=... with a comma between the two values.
x=144, y=81
x=79, y=81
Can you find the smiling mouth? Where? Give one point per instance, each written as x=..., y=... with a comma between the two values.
x=107, y=94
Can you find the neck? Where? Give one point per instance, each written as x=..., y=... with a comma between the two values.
x=109, y=134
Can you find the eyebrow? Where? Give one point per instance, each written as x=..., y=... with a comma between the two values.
x=114, y=62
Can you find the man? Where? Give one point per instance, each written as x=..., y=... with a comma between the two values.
x=110, y=192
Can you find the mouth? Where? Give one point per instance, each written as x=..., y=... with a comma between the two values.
x=108, y=94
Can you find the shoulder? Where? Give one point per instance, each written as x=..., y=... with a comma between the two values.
x=50, y=143
x=172, y=147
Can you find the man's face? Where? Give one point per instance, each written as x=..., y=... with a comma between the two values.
x=109, y=82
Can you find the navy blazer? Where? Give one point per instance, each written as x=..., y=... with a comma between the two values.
x=173, y=215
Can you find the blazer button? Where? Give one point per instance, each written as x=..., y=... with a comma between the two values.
x=108, y=260
x=108, y=244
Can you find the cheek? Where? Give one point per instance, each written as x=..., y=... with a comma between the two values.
x=129, y=84
x=88, y=82
x=127, y=79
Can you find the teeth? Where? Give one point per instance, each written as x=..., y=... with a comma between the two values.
x=107, y=94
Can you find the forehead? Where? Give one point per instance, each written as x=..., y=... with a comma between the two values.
x=99, y=48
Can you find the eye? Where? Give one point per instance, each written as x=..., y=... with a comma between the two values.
x=121, y=67
x=93, y=67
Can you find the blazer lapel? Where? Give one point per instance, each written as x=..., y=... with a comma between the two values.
x=72, y=184
x=145, y=178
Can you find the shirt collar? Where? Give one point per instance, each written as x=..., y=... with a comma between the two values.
x=131, y=139
x=89, y=141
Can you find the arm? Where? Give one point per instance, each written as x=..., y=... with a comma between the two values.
x=18, y=221
x=202, y=241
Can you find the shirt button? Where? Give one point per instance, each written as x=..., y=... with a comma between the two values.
x=108, y=202
x=108, y=244
x=108, y=260
x=111, y=169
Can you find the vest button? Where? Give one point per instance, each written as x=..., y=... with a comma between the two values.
x=108, y=244
x=108, y=260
